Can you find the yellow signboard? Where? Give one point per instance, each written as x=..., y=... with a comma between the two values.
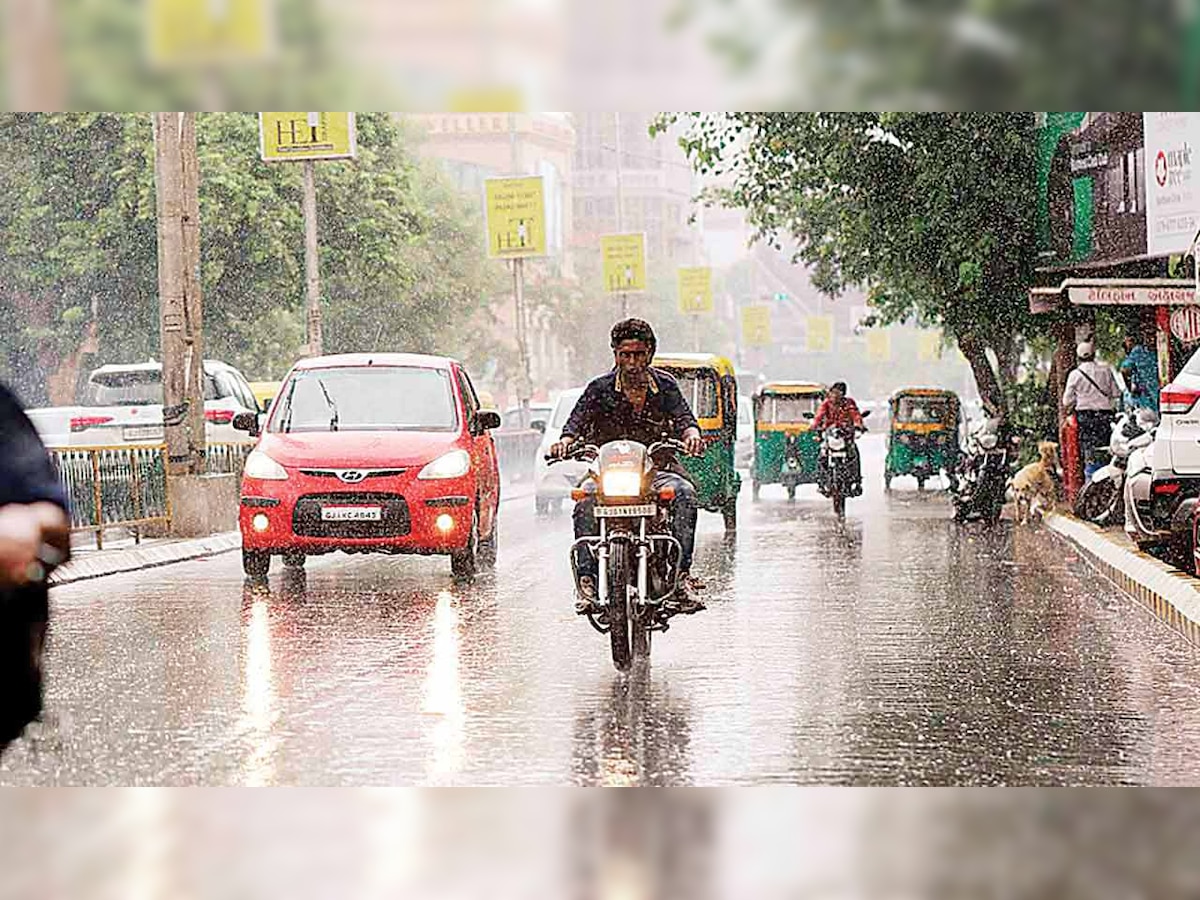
x=206, y=33
x=879, y=346
x=929, y=346
x=306, y=135
x=756, y=325
x=516, y=217
x=624, y=257
x=820, y=334
x=695, y=290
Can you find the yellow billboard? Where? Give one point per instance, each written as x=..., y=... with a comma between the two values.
x=290, y=136
x=879, y=346
x=756, y=325
x=516, y=217
x=624, y=262
x=204, y=33
x=929, y=346
x=695, y=290
x=820, y=334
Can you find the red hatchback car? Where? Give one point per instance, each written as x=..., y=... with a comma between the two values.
x=372, y=453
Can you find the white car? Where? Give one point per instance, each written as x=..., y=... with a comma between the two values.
x=123, y=405
x=743, y=453
x=552, y=484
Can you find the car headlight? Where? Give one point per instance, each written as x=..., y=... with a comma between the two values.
x=621, y=483
x=454, y=464
x=259, y=465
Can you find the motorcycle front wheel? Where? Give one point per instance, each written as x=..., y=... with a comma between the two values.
x=619, y=560
x=839, y=506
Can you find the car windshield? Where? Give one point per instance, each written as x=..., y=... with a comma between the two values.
x=137, y=387
x=792, y=408
x=923, y=410
x=700, y=390
x=366, y=398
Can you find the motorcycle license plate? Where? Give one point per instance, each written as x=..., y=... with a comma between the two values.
x=837, y=455
x=625, y=512
x=351, y=514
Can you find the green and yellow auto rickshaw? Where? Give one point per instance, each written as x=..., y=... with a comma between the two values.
x=710, y=386
x=785, y=448
x=923, y=438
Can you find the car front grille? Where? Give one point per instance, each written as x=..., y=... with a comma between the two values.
x=394, y=522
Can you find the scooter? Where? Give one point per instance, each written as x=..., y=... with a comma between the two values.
x=1101, y=500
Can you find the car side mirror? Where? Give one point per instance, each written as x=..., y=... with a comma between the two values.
x=538, y=426
x=247, y=422
x=487, y=419
x=867, y=414
x=809, y=415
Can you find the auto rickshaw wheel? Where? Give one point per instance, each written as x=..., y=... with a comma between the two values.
x=920, y=482
x=791, y=489
x=729, y=513
x=887, y=482
x=754, y=491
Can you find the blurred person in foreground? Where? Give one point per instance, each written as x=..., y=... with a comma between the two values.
x=34, y=537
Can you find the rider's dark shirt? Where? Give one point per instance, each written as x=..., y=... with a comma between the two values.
x=603, y=413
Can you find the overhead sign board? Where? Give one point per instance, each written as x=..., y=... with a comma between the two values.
x=879, y=346
x=1132, y=295
x=624, y=262
x=290, y=136
x=756, y=325
x=820, y=334
x=1172, y=177
x=929, y=346
x=695, y=290
x=207, y=32
x=516, y=217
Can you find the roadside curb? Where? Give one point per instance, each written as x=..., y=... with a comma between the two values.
x=1172, y=597
x=148, y=557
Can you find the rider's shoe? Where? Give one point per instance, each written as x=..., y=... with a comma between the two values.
x=685, y=601
x=587, y=599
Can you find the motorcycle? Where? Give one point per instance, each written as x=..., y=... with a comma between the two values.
x=637, y=552
x=984, y=470
x=1101, y=499
x=839, y=466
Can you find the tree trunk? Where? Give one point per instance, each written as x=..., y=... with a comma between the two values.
x=986, y=379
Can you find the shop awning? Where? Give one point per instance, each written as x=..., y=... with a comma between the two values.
x=1114, y=292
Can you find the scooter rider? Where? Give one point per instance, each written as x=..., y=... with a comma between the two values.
x=836, y=410
x=639, y=403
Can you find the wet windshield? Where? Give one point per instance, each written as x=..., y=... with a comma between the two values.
x=141, y=387
x=361, y=398
x=924, y=411
x=790, y=408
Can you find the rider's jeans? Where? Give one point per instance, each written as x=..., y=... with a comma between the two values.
x=683, y=508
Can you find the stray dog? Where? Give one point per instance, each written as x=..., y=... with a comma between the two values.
x=1033, y=488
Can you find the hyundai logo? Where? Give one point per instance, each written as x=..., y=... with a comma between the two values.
x=352, y=476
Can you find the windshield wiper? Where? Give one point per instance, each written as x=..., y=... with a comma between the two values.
x=333, y=420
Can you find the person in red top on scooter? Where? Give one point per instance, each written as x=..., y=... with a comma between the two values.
x=838, y=410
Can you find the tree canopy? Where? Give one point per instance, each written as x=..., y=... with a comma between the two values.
x=933, y=214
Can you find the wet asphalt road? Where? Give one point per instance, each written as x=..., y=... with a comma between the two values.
x=905, y=651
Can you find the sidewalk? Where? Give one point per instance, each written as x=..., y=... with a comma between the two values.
x=1167, y=593
x=123, y=555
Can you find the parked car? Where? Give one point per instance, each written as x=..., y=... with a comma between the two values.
x=372, y=453
x=122, y=404
x=552, y=485
x=1161, y=514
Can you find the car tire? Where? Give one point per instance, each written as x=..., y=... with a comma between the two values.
x=465, y=563
x=488, y=549
x=294, y=559
x=256, y=563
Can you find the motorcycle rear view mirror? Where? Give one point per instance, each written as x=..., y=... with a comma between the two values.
x=866, y=414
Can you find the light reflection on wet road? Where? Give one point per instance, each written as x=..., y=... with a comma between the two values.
x=907, y=650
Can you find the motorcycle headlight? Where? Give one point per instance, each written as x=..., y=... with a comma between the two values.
x=259, y=465
x=988, y=441
x=621, y=483
x=454, y=464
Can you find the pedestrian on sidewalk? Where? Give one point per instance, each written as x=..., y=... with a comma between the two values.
x=35, y=536
x=1140, y=368
x=1093, y=394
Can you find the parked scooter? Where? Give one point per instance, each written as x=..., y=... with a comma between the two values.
x=983, y=473
x=1101, y=499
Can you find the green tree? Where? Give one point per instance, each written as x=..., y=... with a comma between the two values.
x=932, y=213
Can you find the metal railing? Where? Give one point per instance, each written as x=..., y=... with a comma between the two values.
x=125, y=486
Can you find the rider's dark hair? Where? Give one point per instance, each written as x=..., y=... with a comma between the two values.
x=838, y=386
x=634, y=330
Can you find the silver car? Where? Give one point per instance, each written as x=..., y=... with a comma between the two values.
x=553, y=485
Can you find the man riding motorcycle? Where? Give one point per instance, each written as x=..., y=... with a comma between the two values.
x=839, y=410
x=638, y=403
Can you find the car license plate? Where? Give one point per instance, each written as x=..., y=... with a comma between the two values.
x=351, y=514
x=625, y=512
x=142, y=432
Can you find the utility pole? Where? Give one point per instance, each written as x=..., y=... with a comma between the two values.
x=620, y=205
x=524, y=381
x=312, y=272
x=35, y=68
x=176, y=182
